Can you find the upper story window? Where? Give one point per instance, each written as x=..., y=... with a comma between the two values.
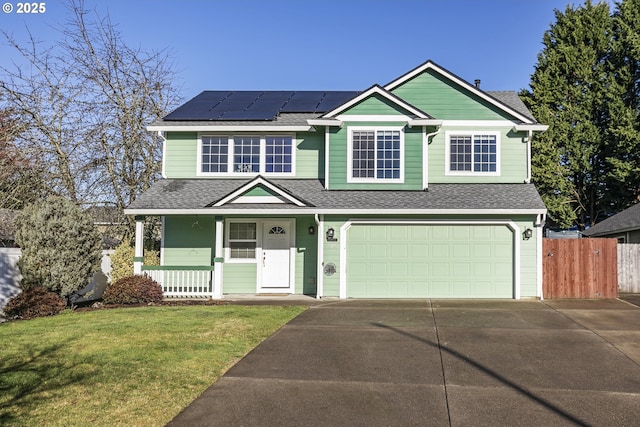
x=376, y=154
x=471, y=153
x=248, y=154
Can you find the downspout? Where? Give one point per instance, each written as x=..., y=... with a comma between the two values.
x=425, y=156
x=529, y=138
x=320, y=256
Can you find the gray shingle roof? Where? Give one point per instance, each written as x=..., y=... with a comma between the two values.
x=511, y=99
x=197, y=194
x=628, y=219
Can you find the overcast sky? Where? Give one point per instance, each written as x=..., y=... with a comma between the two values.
x=321, y=44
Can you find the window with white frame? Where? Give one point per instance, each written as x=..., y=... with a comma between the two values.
x=242, y=240
x=472, y=153
x=247, y=154
x=376, y=154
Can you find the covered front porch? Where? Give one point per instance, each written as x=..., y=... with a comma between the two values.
x=210, y=256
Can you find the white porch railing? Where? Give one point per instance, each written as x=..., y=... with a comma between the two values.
x=178, y=281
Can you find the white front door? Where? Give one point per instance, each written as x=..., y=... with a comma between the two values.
x=275, y=271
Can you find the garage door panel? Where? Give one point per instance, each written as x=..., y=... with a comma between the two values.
x=430, y=261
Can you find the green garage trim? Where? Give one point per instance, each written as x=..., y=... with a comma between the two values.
x=429, y=259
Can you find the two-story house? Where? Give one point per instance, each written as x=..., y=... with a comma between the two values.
x=419, y=188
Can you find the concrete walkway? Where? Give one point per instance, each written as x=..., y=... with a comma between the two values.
x=422, y=362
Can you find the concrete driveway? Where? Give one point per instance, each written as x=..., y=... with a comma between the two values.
x=437, y=362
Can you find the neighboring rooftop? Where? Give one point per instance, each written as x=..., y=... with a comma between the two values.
x=627, y=220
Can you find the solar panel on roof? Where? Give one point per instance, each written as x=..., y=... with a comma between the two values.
x=332, y=100
x=256, y=105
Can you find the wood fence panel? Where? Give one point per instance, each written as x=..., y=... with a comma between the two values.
x=579, y=268
x=629, y=267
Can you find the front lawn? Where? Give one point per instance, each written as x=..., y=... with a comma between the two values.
x=131, y=366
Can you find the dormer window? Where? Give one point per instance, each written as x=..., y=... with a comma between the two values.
x=376, y=154
x=246, y=155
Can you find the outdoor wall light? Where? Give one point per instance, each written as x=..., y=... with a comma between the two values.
x=312, y=230
x=331, y=233
x=527, y=234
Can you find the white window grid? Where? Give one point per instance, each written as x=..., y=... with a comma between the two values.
x=231, y=155
x=375, y=154
x=242, y=240
x=473, y=153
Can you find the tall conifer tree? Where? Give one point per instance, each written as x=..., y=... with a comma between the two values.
x=569, y=92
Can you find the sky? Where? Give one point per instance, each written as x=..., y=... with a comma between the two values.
x=316, y=45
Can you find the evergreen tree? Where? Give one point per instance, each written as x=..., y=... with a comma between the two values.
x=61, y=248
x=569, y=91
x=623, y=109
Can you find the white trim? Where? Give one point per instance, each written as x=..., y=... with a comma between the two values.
x=162, y=237
x=327, y=143
x=425, y=155
x=324, y=122
x=164, y=155
x=291, y=223
x=230, y=155
x=375, y=129
x=466, y=85
x=257, y=199
x=319, y=219
x=252, y=184
x=336, y=211
x=531, y=127
x=539, y=234
x=424, y=122
x=447, y=153
x=218, y=253
x=227, y=245
x=478, y=123
x=375, y=118
x=230, y=128
x=508, y=223
x=371, y=91
x=139, y=246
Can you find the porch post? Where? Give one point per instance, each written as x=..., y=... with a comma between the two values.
x=138, y=256
x=218, y=259
x=320, y=254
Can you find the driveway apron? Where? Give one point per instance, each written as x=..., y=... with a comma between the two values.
x=423, y=362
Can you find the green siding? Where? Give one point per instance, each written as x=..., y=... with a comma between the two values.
x=188, y=240
x=412, y=160
x=310, y=154
x=239, y=278
x=259, y=191
x=306, y=257
x=376, y=105
x=430, y=261
x=181, y=154
x=512, y=155
x=443, y=99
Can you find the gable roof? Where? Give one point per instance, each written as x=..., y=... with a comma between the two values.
x=259, y=181
x=197, y=196
x=500, y=104
x=373, y=90
x=627, y=220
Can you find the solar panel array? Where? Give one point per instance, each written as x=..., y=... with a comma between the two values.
x=257, y=105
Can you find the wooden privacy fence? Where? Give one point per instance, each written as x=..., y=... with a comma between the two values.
x=629, y=267
x=579, y=268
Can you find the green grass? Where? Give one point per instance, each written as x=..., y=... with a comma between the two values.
x=131, y=366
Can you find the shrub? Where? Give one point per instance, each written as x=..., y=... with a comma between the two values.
x=122, y=261
x=34, y=302
x=61, y=248
x=133, y=290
